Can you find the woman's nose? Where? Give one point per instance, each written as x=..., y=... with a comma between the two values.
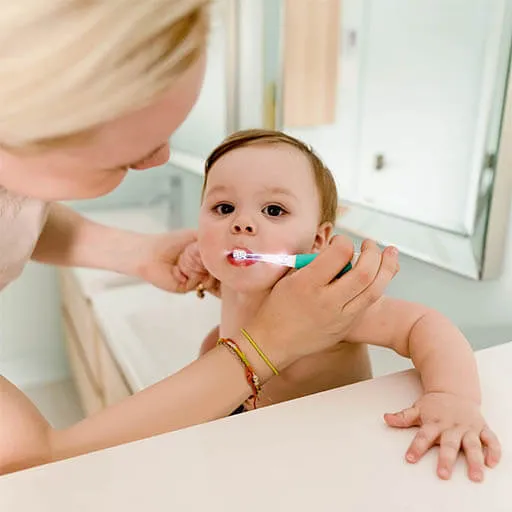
x=243, y=227
x=159, y=157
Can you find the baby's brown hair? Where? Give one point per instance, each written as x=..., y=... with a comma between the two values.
x=325, y=182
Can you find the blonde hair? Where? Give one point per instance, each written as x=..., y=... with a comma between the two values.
x=67, y=66
x=324, y=179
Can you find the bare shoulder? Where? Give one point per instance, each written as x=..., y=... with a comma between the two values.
x=386, y=322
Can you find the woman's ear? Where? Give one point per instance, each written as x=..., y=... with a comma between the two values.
x=323, y=235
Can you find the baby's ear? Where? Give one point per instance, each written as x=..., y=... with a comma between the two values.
x=323, y=235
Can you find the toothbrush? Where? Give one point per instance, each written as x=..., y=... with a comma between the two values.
x=287, y=260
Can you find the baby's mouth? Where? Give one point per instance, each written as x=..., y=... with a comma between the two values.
x=239, y=262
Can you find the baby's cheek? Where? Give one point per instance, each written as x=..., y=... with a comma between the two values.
x=297, y=239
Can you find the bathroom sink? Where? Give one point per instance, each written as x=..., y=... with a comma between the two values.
x=151, y=333
x=173, y=332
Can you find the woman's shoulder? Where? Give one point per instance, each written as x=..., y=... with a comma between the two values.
x=14, y=206
x=21, y=221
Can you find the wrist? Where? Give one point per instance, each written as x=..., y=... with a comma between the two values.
x=278, y=356
x=474, y=397
x=117, y=250
x=132, y=253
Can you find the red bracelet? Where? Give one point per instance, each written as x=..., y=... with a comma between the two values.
x=251, y=377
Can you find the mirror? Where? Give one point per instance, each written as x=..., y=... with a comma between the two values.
x=408, y=103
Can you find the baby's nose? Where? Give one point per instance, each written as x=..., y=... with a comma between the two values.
x=243, y=227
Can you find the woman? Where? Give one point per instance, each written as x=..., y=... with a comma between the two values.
x=87, y=91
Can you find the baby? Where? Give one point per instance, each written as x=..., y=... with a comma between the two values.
x=267, y=192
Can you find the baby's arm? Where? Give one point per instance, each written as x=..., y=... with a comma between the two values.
x=449, y=411
x=437, y=348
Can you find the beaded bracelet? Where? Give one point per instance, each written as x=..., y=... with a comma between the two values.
x=252, y=379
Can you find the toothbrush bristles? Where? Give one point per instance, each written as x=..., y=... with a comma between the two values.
x=239, y=254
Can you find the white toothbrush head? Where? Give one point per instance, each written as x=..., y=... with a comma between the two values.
x=239, y=254
x=277, y=259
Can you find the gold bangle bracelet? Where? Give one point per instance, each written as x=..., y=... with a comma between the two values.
x=248, y=337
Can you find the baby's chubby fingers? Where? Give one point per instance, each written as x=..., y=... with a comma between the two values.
x=449, y=449
x=406, y=418
x=493, y=447
x=424, y=439
x=474, y=456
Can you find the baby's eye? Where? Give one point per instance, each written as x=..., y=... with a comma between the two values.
x=224, y=209
x=274, y=210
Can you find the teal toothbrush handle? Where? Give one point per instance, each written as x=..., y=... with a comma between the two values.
x=301, y=260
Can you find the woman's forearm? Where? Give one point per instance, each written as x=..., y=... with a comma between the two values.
x=69, y=239
x=209, y=388
x=443, y=357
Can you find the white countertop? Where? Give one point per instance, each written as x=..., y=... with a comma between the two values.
x=326, y=452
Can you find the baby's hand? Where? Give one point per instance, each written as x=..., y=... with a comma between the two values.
x=190, y=266
x=454, y=423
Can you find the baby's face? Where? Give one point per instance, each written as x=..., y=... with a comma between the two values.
x=261, y=198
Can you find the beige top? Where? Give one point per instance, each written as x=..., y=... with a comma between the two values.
x=21, y=222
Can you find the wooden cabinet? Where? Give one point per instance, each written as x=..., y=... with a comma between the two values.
x=115, y=388
x=98, y=378
x=91, y=397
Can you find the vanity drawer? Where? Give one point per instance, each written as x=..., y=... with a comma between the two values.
x=78, y=312
x=90, y=394
x=115, y=387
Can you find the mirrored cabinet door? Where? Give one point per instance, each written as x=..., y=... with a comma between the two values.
x=412, y=128
x=426, y=93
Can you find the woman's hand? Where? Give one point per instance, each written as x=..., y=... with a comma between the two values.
x=171, y=261
x=307, y=311
x=456, y=424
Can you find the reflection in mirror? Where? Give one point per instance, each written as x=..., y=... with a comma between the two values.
x=407, y=103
